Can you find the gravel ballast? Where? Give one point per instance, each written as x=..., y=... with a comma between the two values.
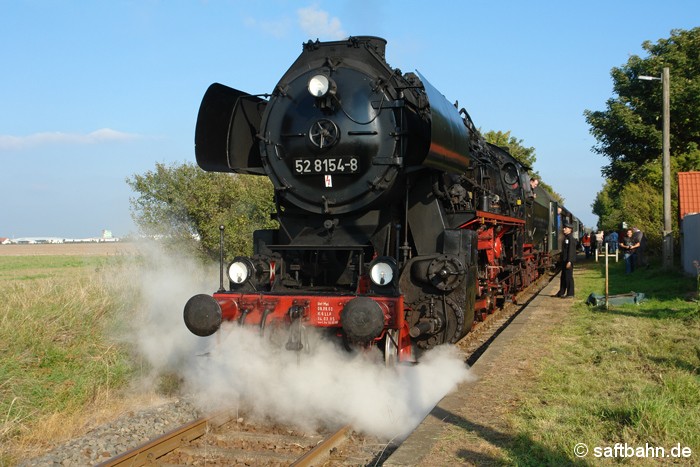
x=125, y=433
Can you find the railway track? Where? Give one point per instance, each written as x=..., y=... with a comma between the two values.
x=227, y=439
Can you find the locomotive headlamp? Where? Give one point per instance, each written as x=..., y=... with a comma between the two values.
x=382, y=271
x=240, y=270
x=319, y=85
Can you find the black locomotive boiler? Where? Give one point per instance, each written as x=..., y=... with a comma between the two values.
x=399, y=225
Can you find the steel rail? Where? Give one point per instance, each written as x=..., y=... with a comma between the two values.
x=322, y=450
x=152, y=450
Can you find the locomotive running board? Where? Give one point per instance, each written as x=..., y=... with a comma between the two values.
x=483, y=217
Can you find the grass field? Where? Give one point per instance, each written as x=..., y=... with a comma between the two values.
x=60, y=369
x=628, y=375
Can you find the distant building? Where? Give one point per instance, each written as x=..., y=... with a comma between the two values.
x=689, y=193
x=5, y=241
x=689, y=204
x=35, y=240
x=108, y=237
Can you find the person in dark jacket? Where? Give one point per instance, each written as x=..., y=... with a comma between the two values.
x=568, y=258
x=629, y=247
x=612, y=240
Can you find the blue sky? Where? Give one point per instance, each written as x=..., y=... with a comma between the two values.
x=93, y=92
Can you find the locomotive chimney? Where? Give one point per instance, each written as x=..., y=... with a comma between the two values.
x=377, y=43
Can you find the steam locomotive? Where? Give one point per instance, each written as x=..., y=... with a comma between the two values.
x=399, y=225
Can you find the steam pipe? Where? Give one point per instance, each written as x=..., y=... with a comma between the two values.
x=294, y=343
x=244, y=313
x=405, y=247
x=221, y=259
x=397, y=241
x=263, y=321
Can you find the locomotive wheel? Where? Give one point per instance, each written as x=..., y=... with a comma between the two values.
x=446, y=312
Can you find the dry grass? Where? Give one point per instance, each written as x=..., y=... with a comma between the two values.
x=64, y=370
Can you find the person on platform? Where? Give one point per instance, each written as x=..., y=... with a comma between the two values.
x=586, y=242
x=594, y=243
x=600, y=241
x=612, y=240
x=629, y=246
x=568, y=258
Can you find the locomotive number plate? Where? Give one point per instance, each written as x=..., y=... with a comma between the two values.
x=331, y=165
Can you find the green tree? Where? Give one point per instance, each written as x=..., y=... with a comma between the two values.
x=629, y=130
x=640, y=206
x=513, y=145
x=182, y=203
x=636, y=204
x=629, y=133
x=607, y=209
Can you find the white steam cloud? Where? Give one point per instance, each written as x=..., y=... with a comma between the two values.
x=325, y=387
x=318, y=23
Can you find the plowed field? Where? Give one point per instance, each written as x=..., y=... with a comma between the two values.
x=73, y=249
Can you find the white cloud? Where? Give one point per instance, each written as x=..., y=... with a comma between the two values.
x=103, y=135
x=318, y=23
x=279, y=28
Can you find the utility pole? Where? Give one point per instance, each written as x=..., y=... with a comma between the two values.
x=667, y=235
x=666, y=145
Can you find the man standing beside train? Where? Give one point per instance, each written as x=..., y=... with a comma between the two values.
x=629, y=245
x=568, y=258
